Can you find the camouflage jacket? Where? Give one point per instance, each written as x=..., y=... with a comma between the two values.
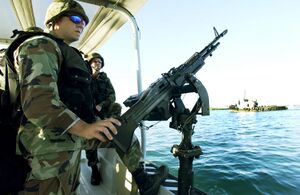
x=103, y=90
x=38, y=62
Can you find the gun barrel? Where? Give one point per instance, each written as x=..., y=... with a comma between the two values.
x=212, y=45
x=224, y=33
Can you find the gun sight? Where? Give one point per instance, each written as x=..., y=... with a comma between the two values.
x=220, y=35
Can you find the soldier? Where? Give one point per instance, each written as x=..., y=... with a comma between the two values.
x=104, y=92
x=106, y=107
x=56, y=98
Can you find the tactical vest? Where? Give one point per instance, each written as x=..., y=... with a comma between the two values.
x=74, y=83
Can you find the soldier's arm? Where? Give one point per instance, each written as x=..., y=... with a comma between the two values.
x=38, y=62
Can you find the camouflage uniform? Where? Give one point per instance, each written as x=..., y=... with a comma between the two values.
x=52, y=152
x=53, y=99
x=104, y=95
x=53, y=102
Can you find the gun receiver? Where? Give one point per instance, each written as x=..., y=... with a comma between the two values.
x=153, y=103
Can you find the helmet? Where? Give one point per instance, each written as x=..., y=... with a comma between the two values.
x=34, y=29
x=60, y=7
x=95, y=55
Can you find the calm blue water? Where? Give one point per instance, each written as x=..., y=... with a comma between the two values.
x=244, y=153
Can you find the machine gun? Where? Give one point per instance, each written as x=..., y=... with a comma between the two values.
x=161, y=100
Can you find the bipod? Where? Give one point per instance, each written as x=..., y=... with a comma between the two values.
x=183, y=120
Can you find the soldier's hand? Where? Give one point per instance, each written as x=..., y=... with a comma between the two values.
x=102, y=130
x=106, y=129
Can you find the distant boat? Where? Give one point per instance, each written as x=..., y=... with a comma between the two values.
x=246, y=105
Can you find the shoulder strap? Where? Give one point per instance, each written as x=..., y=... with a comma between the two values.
x=21, y=37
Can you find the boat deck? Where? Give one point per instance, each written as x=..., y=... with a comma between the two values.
x=117, y=179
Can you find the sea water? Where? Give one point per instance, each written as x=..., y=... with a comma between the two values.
x=243, y=153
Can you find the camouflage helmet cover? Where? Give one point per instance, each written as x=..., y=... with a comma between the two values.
x=60, y=7
x=95, y=55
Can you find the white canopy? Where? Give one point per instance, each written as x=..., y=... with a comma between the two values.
x=104, y=19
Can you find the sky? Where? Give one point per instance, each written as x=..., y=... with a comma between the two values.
x=257, y=58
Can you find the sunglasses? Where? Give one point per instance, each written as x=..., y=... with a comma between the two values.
x=76, y=19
